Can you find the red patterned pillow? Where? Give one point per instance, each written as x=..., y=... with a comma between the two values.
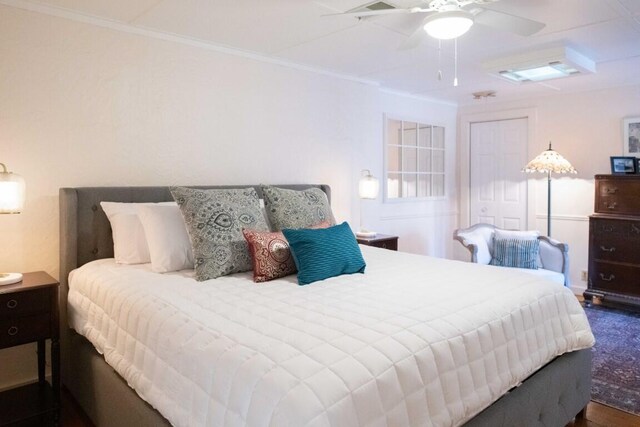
x=270, y=253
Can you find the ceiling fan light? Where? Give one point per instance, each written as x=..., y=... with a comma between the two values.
x=448, y=25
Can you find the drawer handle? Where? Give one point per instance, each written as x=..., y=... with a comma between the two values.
x=384, y=246
x=607, y=279
x=12, y=330
x=611, y=249
x=610, y=190
x=635, y=229
x=611, y=206
x=607, y=228
x=11, y=304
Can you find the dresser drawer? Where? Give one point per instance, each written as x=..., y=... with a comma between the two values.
x=620, y=228
x=24, y=303
x=618, y=195
x=618, y=278
x=22, y=330
x=615, y=248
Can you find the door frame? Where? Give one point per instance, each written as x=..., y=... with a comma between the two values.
x=464, y=157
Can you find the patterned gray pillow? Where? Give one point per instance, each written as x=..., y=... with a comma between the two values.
x=296, y=209
x=214, y=220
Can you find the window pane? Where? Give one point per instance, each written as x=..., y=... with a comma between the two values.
x=393, y=131
x=393, y=185
x=394, y=159
x=438, y=137
x=410, y=134
x=424, y=160
x=438, y=161
x=424, y=185
x=415, y=160
x=424, y=136
x=409, y=159
x=438, y=185
x=409, y=187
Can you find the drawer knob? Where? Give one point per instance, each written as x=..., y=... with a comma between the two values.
x=12, y=330
x=607, y=279
x=611, y=206
x=12, y=304
x=610, y=190
x=605, y=249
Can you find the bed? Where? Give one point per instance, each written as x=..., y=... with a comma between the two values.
x=300, y=377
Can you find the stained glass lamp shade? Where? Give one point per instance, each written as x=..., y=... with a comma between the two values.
x=547, y=162
x=12, y=191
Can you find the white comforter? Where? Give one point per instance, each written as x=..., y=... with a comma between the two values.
x=414, y=341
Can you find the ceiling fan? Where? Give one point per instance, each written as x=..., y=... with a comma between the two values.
x=449, y=19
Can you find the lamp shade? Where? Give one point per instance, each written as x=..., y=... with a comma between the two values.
x=448, y=25
x=369, y=186
x=12, y=189
x=549, y=161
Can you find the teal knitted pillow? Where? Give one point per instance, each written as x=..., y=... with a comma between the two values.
x=519, y=253
x=320, y=254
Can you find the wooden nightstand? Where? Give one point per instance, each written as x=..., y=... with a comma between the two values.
x=29, y=313
x=384, y=241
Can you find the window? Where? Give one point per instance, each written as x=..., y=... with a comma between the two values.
x=415, y=160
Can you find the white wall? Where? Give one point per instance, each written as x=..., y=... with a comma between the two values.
x=586, y=128
x=82, y=105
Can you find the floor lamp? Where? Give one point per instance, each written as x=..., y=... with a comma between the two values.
x=11, y=202
x=546, y=162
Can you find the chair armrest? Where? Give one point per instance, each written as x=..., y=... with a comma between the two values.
x=471, y=247
x=555, y=256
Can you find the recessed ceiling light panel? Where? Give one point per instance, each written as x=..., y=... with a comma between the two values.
x=537, y=66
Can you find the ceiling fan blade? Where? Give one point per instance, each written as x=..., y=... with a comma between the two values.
x=507, y=22
x=362, y=14
x=414, y=39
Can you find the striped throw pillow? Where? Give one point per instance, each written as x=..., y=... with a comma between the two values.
x=519, y=253
x=323, y=253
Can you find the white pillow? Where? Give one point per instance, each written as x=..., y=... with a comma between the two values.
x=513, y=234
x=166, y=233
x=129, y=242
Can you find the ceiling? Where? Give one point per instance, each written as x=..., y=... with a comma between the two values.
x=607, y=31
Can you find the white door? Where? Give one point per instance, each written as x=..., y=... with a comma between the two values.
x=498, y=187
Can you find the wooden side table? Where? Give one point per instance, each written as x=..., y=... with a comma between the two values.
x=29, y=313
x=384, y=241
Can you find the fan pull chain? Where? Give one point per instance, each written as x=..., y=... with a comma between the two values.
x=439, y=60
x=455, y=63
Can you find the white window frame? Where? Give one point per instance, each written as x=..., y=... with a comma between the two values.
x=385, y=141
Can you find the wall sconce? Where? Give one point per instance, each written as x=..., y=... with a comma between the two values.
x=12, y=189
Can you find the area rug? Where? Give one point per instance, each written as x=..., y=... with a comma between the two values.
x=616, y=358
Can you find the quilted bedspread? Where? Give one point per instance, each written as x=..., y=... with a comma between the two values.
x=415, y=341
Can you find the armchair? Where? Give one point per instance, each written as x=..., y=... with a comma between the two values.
x=554, y=255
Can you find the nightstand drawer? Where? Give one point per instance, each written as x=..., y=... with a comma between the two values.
x=22, y=330
x=391, y=244
x=384, y=241
x=24, y=303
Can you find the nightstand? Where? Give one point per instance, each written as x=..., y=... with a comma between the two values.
x=29, y=313
x=384, y=241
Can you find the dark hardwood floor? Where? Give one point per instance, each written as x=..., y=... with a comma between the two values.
x=597, y=416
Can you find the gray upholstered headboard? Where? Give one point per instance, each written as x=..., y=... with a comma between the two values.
x=85, y=232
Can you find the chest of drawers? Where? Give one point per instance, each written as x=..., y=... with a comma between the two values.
x=614, y=240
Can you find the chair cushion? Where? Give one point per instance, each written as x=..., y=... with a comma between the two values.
x=552, y=276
